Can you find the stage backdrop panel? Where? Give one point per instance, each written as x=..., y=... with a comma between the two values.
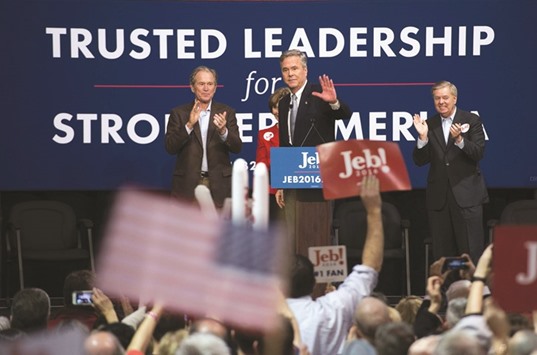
x=87, y=85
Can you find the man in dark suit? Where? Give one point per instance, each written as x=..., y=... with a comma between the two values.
x=453, y=143
x=201, y=134
x=317, y=107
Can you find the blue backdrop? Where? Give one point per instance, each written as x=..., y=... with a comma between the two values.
x=86, y=86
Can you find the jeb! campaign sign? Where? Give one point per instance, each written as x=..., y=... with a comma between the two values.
x=295, y=168
x=515, y=267
x=343, y=164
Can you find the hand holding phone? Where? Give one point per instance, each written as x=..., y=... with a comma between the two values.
x=455, y=263
x=82, y=298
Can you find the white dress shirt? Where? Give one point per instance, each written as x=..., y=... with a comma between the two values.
x=325, y=322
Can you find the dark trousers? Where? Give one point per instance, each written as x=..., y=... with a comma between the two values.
x=457, y=230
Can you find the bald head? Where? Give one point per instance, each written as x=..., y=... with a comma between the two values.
x=102, y=343
x=369, y=315
x=459, y=341
x=523, y=342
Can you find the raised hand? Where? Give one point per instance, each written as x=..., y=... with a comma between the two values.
x=194, y=114
x=329, y=90
x=220, y=122
x=421, y=127
x=370, y=193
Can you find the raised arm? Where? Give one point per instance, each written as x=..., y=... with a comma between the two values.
x=475, y=297
x=373, y=253
x=144, y=333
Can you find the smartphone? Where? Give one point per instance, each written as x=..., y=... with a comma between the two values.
x=82, y=298
x=455, y=263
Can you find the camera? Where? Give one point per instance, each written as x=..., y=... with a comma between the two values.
x=455, y=263
x=82, y=298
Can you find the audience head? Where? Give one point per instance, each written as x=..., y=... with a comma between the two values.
x=408, y=308
x=523, y=342
x=369, y=315
x=359, y=347
x=11, y=335
x=4, y=323
x=458, y=289
x=203, y=344
x=395, y=316
x=518, y=322
x=212, y=326
x=170, y=342
x=302, y=277
x=30, y=310
x=424, y=346
x=247, y=342
x=169, y=322
x=459, y=341
x=394, y=338
x=77, y=281
x=102, y=343
x=455, y=311
x=280, y=339
x=123, y=332
x=381, y=296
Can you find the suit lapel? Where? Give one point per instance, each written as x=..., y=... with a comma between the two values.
x=283, y=109
x=456, y=119
x=438, y=131
x=301, y=115
x=212, y=128
x=197, y=127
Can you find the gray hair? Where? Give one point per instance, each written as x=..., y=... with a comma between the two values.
x=203, y=344
x=295, y=53
x=459, y=341
x=523, y=342
x=455, y=310
x=202, y=68
x=443, y=84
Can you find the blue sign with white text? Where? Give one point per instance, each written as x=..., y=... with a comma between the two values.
x=295, y=168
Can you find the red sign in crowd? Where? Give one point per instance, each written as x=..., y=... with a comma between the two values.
x=515, y=268
x=343, y=164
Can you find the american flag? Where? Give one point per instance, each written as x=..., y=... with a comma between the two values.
x=156, y=248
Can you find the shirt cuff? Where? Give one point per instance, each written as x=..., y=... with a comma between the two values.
x=461, y=144
x=223, y=137
x=421, y=143
x=335, y=106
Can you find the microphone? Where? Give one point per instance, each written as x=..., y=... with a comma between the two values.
x=312, y=127
x=291, y=101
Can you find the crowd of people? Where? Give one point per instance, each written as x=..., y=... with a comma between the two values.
x=457, y=315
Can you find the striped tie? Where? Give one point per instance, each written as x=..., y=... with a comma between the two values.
x=294, y=109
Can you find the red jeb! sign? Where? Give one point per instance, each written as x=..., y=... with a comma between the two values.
x=515, y=268
x=343, y=164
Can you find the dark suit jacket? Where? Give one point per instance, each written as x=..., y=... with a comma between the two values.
x=311, y=110
x=452, y=167
x=189, y=151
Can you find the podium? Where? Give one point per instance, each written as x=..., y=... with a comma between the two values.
x=308, y=215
